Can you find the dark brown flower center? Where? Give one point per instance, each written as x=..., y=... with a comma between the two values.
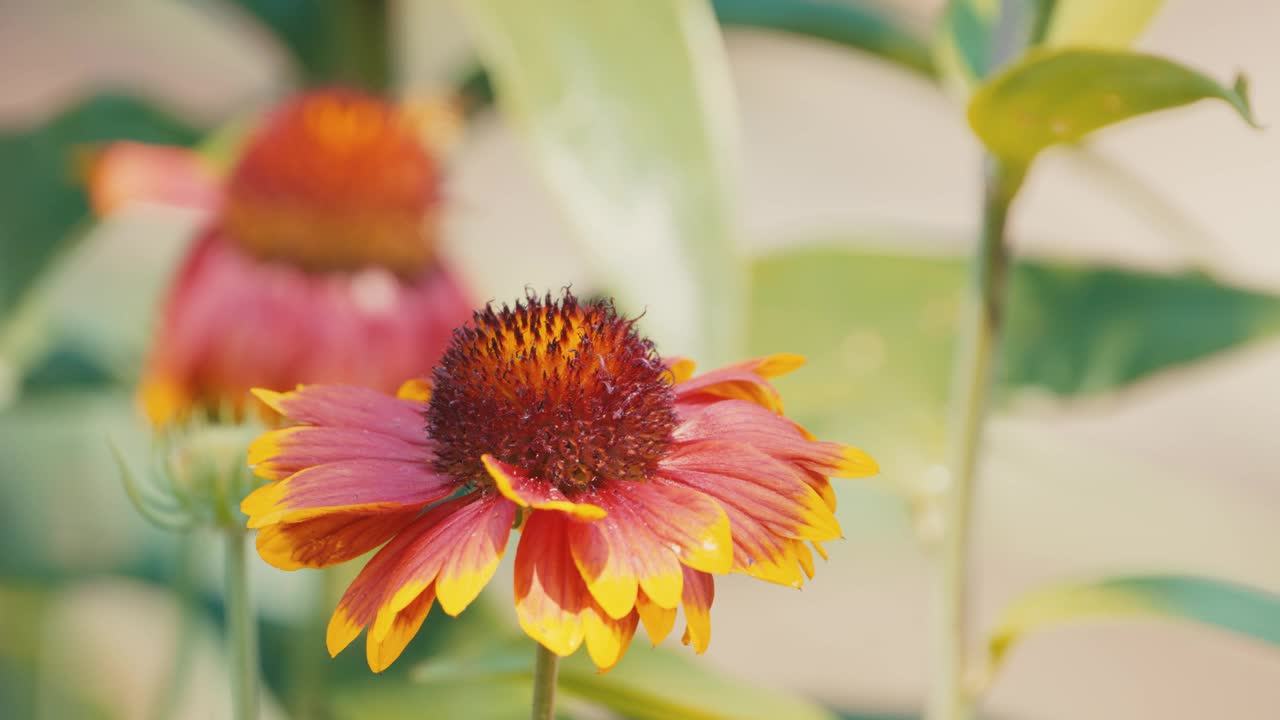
x=569, y=392
x=335, y=180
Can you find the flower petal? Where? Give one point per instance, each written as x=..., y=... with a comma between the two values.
x=749, y=423
x=681, y=368
x=124, y=173
x=699, y=593
x=745, y=381
x=279, y=453
x=516, y=485
x=415, y=390
x=410, y=564
x=602, y=551
x=329, y=539
x=550, y=593
x=345, y=486
x=350, y=406
x=392, y=630
x=607, y=638
x=657, y=620
x=472, y=561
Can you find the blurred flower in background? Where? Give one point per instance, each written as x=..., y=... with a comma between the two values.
x=317, y=262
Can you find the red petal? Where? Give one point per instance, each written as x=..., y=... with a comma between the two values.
x=329, y=539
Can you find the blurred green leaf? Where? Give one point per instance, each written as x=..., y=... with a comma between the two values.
x=1247, y=611
x=333, y=41
x=1060, y=96
x=976, y=37
x=878, y=330
x=854, y=24
x=41, y=171
x=648, y=684
x=626, y=109
x=1099, y=23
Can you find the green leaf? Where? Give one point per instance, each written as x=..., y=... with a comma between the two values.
x=1060, y=96
x=976, y=37
x=878, y=330
x=857, y=25
x=41, y=192
x=331, y=42
x=1243, y=610
x=1099, y=23
x=648, y=684
x=626, y=108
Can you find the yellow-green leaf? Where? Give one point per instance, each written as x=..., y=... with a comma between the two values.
x=1229, y=606
x=626, y=108
x=1060, y=96
x=1099, y=23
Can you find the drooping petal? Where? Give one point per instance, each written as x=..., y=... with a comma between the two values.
x=650, y=530
x=349, y=406
x=329, y=539
x=393, y=629
x=771, y=508
x=279, y=453
x=456, y=536
x=607, y=638
x=124, y=173
x=657, y=620
x=550, y=593
x=699, y=593
x=516, y=485
x=746, y=381
x=346, y=486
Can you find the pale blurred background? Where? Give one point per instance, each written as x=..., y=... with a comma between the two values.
x=1178, y=474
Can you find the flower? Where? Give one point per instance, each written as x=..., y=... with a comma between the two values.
x=632, y=480
x=316, y=262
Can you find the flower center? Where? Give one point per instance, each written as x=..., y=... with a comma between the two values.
x=334, y=180
x=567, y=391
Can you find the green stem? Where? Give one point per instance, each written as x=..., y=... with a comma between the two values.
x=970, y=389
x=545, y=669
x=242, y=629
x=165, y=704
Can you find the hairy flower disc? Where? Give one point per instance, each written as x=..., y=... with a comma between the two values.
x=335, y=180
x=566, y=391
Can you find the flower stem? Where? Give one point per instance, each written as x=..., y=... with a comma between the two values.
x=242, y=629
x=979, y=341
x=545, y=669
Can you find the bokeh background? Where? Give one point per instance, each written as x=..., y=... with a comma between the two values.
x=858, y=197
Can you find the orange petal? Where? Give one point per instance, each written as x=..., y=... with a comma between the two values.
x=699, y=593
x=329, y=539
x=550, y=593
x=516, y=485
x=417, y=390
x=657, y=620
x=681, y=368
x=124, y=173
x=602, y=551
x=393, y=629
x=607, y=638
x=472, y=561
x=743, y=381
x=366, y=486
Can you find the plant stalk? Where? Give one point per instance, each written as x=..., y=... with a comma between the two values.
x=979, y=340
x=545, y=669
x=242, y=629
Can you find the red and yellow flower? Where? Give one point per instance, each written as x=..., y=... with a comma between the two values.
x=317, y=261
x=633, y=482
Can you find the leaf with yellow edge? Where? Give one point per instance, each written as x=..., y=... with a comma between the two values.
x=1060, y=96
x=1099, y=23
x=1229, y=606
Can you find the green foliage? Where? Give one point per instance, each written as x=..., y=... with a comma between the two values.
x=330, y=41
x=862, y=26
x=1071, y=330
x=976, y=37
x=42, y=195
x=626, y=109
x=1243, y=610
x=1060, y=96
x=1095, y=23
x=648, y=684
